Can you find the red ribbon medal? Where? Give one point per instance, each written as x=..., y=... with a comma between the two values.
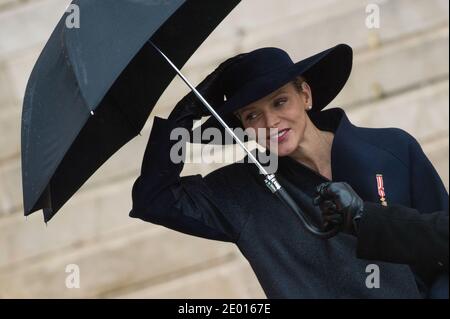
x=380, y=187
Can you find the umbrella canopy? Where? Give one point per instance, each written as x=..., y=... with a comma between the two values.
x=93, y=88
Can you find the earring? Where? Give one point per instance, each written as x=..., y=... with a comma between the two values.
x=310, y=107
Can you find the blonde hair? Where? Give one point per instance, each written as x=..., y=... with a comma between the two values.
x=298, y=82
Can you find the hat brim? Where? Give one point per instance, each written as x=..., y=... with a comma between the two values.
x=326, y=73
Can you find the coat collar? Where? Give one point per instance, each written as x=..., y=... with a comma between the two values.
x=333, y=120
x=352, y=158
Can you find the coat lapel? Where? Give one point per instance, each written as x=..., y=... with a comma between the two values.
x=357, y=161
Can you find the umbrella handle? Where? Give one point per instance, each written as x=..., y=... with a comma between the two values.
x=270, y=179
x=283, y=195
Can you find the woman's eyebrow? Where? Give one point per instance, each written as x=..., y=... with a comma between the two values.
x=276, y=94
x=271, y=97
x=248, y=108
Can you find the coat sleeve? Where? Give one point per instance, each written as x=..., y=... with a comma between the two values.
x=428, y=195
x=193, y=204
x=427, y=191
x=391, y=234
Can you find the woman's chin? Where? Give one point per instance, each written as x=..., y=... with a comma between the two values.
x=283, y=153
x=282, y=150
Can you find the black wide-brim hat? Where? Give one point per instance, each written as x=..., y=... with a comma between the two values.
x=261, y=72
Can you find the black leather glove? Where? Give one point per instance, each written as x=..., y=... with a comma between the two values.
x=340, y=205
x=190, y=108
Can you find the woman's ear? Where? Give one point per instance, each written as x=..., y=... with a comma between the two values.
x=307, y=95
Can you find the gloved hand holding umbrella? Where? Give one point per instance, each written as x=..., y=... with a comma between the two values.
x=190, y=108
x=340, y=205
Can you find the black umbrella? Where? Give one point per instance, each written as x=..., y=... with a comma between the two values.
x=93, y=88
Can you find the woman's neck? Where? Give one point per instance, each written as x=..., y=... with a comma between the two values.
x=314, y=150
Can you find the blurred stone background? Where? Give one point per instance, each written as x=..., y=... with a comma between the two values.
x=400, y=79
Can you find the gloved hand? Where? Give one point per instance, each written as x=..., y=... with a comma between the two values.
x=340, y=205
x=190, y=108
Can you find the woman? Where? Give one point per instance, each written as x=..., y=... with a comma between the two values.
x=265, y=89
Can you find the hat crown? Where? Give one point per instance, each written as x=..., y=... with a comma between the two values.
x=254, y=64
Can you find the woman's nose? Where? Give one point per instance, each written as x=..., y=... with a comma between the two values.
x=272, y=120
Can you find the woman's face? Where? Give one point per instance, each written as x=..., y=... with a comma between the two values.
x=285, y=110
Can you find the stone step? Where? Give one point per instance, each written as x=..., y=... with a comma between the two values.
x=397, y=67
x=234, y=279
x=155, y=254
x=437, y=151
x=305, y=33
x=12, y=4
x=88, y=216
x=5, y=3
x=28, y=25
x=9, y=100
x=38, y=29
x=422, y=112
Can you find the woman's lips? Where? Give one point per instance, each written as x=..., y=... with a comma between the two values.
x=281, y=136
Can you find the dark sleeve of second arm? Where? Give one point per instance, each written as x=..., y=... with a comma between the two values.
x=195, y=205
x=403, y=235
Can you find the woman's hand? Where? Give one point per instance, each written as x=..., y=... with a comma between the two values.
x=340, y=205
x=190, y=108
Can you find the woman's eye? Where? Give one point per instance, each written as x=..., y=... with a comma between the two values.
x=250, y=117
x=280, y=102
